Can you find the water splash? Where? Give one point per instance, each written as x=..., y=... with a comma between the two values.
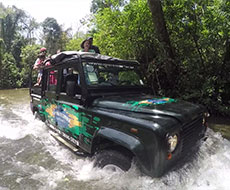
x=30, y=157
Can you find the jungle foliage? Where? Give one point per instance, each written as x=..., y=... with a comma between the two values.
x=192, y=64
x=199, y=38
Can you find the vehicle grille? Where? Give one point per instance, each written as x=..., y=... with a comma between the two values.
x=191, y=134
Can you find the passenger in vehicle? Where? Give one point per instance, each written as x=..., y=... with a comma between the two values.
x=113, y=78
x=95, y=48
x=71, y=75
x=38, y=63
x=72, y=82
x=85, y=45
x=52, y=77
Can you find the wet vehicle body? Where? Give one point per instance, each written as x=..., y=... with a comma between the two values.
x=98, y=105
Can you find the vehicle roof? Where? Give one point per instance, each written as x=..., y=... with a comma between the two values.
x=68, y=55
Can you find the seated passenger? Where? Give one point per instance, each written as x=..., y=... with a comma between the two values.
x=52, y=77
x=71, y=83
x=113, y=79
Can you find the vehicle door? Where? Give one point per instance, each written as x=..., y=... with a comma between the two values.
x=64, y=109
x=70, y=114
x=80, y=124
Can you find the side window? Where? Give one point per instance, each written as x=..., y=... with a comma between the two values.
x=91, y=74
x=52, y=80
x=70, y=82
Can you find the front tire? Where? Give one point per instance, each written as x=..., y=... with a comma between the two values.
x=113, y=160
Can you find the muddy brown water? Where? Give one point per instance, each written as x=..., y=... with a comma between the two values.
x=30, y=159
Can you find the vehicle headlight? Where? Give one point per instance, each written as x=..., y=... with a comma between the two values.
x=206, y=115
x=172, y=142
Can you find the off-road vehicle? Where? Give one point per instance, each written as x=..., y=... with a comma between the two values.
x=98, y=105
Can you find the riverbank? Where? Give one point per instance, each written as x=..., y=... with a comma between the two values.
x=220, y=124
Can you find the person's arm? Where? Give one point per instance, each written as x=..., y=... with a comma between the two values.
x=96, y=49
x=36, y=64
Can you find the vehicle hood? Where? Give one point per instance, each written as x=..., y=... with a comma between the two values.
x=159, y=106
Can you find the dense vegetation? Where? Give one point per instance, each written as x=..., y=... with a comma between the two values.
x=190, y=60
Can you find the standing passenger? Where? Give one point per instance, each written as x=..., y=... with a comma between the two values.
x=38, y=63
x=95, y=48
x=85, y=45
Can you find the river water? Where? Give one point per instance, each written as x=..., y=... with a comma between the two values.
x=31, y=159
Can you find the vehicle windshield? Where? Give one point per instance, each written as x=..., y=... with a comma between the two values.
x=99, y=74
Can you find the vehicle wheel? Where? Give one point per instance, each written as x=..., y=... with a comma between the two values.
x=112, y=160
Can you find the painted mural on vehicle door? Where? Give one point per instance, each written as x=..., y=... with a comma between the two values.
x=70, y=120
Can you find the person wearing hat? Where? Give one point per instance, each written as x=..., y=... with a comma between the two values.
x=85, y=45
x=95, y=48
x=38, y=63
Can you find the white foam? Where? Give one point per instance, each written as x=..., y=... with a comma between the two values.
x=49, y=177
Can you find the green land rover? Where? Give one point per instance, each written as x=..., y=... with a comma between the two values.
x=99, y=106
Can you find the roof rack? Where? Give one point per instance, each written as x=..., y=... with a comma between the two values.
x=56, y=58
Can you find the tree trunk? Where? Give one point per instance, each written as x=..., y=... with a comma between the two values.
x=163, y=36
